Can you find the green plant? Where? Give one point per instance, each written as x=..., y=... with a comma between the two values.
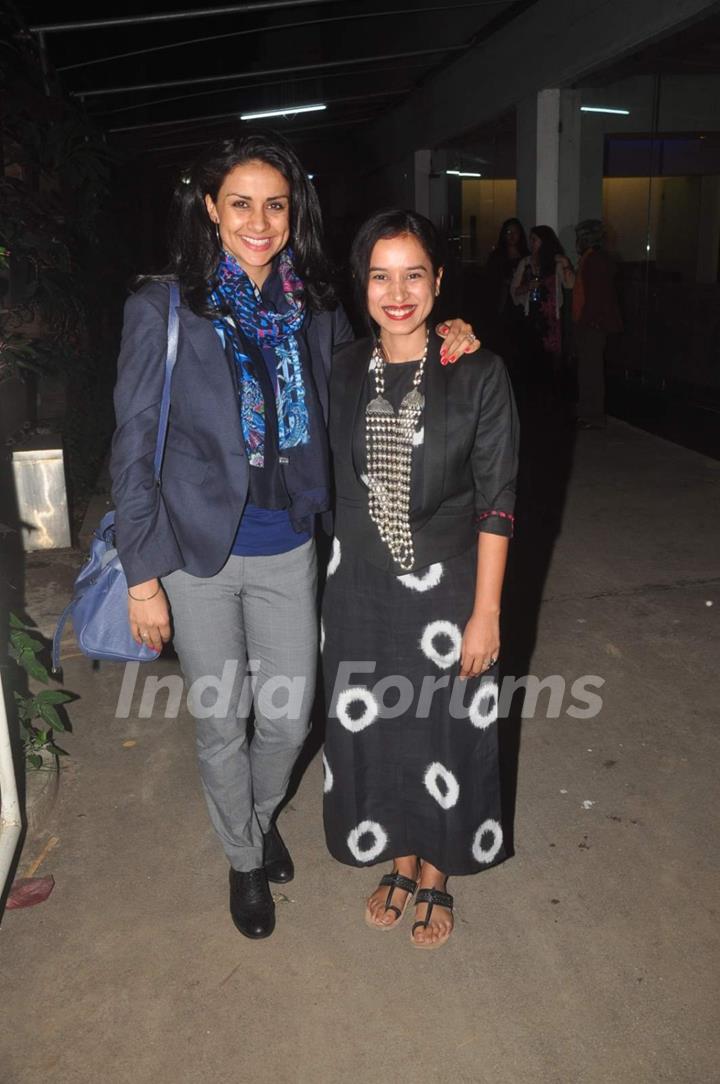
x=37, y=714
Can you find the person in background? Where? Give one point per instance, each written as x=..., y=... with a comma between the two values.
x=502, y=263
x=501, y=320
x=595, y=315
x=537, y=287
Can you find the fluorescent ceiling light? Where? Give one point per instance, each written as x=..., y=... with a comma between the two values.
x=603, y=109
x=461, y=173
x=287, y=111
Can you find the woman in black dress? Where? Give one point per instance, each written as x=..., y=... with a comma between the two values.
x=424, y=462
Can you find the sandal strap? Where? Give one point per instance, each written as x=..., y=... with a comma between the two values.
x=435, y=898
x=397, y=880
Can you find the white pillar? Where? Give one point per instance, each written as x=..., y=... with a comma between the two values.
x=548, y=158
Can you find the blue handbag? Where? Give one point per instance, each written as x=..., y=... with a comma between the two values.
x=99, y=606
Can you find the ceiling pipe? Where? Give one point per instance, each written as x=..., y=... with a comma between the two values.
x=166, y=46
x=171, y=16
x=197, y=80
x=236, y=112
x=295, y=131
x=229, y=90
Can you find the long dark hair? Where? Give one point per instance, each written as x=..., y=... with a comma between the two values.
x=193, y=242
x=550, y=247
x=502, y=243
x=380, y=227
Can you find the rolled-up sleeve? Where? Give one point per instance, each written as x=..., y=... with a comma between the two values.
x=495, y=454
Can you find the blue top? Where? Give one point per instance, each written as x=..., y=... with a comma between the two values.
x=264, y=532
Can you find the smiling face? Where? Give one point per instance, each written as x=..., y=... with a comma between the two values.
x=252, y=212
x=402, y=286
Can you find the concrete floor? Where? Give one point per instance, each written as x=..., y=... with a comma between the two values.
x=590, y=957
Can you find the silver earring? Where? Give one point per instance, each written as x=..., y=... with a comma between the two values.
x=217, y=234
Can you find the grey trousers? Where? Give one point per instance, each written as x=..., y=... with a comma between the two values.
x=248, y=637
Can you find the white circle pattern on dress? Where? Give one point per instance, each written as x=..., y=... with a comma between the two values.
x=426, y=582
x=350, y=696
x=328, y=777
x=449, y=797
x=376, y=848
x=488, y=693
x=444, y=628
x=334, y=557
x=487, y=854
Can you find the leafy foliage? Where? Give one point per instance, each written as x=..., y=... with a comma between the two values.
x=37, y=714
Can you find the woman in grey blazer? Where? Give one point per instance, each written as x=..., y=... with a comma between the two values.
x=226, y=545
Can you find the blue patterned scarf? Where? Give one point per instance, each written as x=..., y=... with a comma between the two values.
x=247, y=313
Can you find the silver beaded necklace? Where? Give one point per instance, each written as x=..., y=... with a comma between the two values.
x=389, y=440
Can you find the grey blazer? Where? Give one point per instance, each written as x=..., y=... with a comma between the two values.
x=189, y=522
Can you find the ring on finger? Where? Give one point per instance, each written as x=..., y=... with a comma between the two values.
x=471, y=337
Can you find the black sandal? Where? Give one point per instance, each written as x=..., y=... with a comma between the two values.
x=393, y=881
x=433, y=897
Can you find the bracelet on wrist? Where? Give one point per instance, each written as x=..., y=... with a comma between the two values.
x=147, y=599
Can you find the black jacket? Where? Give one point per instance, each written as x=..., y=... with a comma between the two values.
x=192, y=521
x=469, y=458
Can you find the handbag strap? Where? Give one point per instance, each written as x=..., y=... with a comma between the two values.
x=55, y=667
x=170, y=359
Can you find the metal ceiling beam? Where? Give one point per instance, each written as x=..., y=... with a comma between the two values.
x=170, y=16
x=296, y=131
x=196, y=80
x=229, y=90
x=165, y=46
x=236, y=112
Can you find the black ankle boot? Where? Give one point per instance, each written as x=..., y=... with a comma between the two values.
x=251, y=904
x=277, y=861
